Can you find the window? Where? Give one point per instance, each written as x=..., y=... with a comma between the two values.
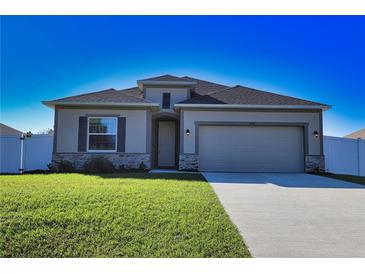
x=102, y=134
x=166, y=100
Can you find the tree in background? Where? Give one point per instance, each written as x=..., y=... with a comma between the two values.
x=46, y=131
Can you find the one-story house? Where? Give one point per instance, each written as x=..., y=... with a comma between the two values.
x=190, y=124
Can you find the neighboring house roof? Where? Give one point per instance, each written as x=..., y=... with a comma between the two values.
x=204, y=92
x=6, y=130
x=357, y=134
x=248, y=96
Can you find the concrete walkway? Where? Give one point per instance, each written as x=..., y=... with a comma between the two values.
x=294, y=215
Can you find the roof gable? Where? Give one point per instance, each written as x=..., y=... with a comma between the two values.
x=166, y=77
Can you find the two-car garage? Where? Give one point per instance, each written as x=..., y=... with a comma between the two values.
x=245, y=148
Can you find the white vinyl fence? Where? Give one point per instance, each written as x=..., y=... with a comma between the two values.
x=37, y=153
x=344, y=155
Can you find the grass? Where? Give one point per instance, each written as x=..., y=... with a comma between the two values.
x=349, y=178
x=127, y=215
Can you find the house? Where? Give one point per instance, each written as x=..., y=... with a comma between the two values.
x=9, y=131
x=190, y=124
x=357, y=134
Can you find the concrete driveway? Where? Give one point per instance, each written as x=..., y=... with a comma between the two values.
x=294, y=215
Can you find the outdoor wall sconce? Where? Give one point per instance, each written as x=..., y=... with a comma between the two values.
x=187, y=132
x=316, y=134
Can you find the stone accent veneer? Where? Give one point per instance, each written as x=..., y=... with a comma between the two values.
x=189, y=162
x=314, y=163
x=129, y=160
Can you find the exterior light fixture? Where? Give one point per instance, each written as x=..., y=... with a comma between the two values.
x=187, y=132
x=316, y=134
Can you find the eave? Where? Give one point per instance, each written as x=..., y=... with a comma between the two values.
x=237, y=106
x=142, y=83
x=52, y=104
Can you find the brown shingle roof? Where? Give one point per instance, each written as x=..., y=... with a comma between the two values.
x=204, y=87
x=204, y=92
x=247, y=96
x=166, y=77
x=135, y=92
x=104, y=96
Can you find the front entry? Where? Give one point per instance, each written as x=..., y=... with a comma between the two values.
x=166, y=144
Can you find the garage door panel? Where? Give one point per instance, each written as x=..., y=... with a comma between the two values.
x=251, y=148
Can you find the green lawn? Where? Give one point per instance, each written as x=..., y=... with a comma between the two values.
x=127, y=215
x=349, y=178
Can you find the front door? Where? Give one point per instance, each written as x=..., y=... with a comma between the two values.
x=166, y=144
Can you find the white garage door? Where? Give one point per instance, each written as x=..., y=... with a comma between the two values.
x=251, y=148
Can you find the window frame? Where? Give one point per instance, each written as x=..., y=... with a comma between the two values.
x=169, y=98
x=88, y=134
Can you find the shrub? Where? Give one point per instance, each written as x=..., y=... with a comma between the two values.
x=142, y=166
x=319, y=170
x=121, y=169
x=98, y=165
x=62, y=166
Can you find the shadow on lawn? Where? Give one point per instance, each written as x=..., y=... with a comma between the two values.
x=126, y=175
x=145, y=175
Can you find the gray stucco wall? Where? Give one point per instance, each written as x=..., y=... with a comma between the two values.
x=136, y=128
x=177, y=95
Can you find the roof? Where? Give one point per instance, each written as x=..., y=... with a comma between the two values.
x=135, y=91
x=204, y=87
x=167, y=77
x=240, y=95
x=103, y=96
x=357, y=134
x=203, y=92
x=6, y=130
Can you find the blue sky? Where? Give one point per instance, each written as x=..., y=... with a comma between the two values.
x=317, y=58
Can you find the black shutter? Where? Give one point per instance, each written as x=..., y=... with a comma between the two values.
x=121, y=134
x=82, y=134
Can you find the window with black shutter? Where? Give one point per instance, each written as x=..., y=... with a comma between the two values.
x=166, y=100
x=102, y=134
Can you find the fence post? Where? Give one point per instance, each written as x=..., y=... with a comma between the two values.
x=21, y=169
x=358, y=156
